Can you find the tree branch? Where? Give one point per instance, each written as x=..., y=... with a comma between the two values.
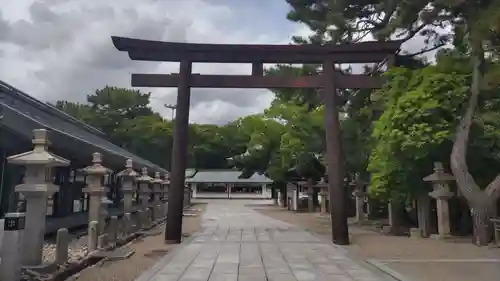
x=493, y=189
x=458, y=161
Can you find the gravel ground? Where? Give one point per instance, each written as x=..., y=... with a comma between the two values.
x=77, y=249
x=148, y=251
x=371, y=245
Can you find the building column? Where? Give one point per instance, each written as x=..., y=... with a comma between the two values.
x=128, y=185
x=36, y=189
x=194, y=189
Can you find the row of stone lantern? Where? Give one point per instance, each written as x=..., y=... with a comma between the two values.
x=37, y=188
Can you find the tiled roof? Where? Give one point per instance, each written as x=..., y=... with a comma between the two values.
x=18, y=108
x=226, y=176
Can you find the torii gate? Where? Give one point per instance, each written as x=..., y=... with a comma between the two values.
x=330, y=80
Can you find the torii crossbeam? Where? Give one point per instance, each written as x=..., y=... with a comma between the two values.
x=330, y=80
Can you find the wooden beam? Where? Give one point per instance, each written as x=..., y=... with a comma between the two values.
x=132, y=44
x=265, y=82
x=251, y=55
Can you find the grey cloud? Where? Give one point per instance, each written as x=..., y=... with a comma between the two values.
x=4, y=28
x=65, y=51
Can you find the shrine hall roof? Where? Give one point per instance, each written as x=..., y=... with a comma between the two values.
x=227, y=176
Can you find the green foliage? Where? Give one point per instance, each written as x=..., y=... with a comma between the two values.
x=126, y=117
x=416, y=128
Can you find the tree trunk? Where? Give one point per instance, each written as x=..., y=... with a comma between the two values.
x=480, y=202
x=481, y=212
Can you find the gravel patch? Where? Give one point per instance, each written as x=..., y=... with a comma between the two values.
x=76, y=252
x=148, y=250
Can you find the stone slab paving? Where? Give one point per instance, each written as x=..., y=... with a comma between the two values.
x=239, y=244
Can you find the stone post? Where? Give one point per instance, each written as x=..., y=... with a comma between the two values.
x=92, y=230
x=144, y=194
x=128, y=185
x=12, y=247
x=157, y=191
x=62, y=246
x=113, y=230
x=103, y=213
x=95, y=191
x=391, y=213
x=36, y=189
x=127, y=224
x=442, y=194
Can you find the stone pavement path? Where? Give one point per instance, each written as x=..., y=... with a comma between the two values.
x=239, y=244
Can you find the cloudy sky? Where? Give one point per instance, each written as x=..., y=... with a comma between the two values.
x=61, y=49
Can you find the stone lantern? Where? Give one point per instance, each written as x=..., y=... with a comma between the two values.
x=359, y=195
x=36, y=189
x=128, y=185
x=164, y=197
x=157, y=190
x=166, y=184
x=144, y=192
x=95, y=190
x=323, y=196
x=442, y=194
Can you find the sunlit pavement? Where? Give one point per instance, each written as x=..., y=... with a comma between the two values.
x=239, y=244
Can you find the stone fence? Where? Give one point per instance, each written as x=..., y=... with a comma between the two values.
x=22, y=239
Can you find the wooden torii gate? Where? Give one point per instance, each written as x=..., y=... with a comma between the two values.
x=330, y=80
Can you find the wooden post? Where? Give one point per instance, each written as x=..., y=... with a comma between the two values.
x=340, y=233
x=173, y=227
x=257, y=69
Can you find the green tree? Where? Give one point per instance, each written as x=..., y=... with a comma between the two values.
x=78, y=110
x=114, y=105
x=476, y=33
